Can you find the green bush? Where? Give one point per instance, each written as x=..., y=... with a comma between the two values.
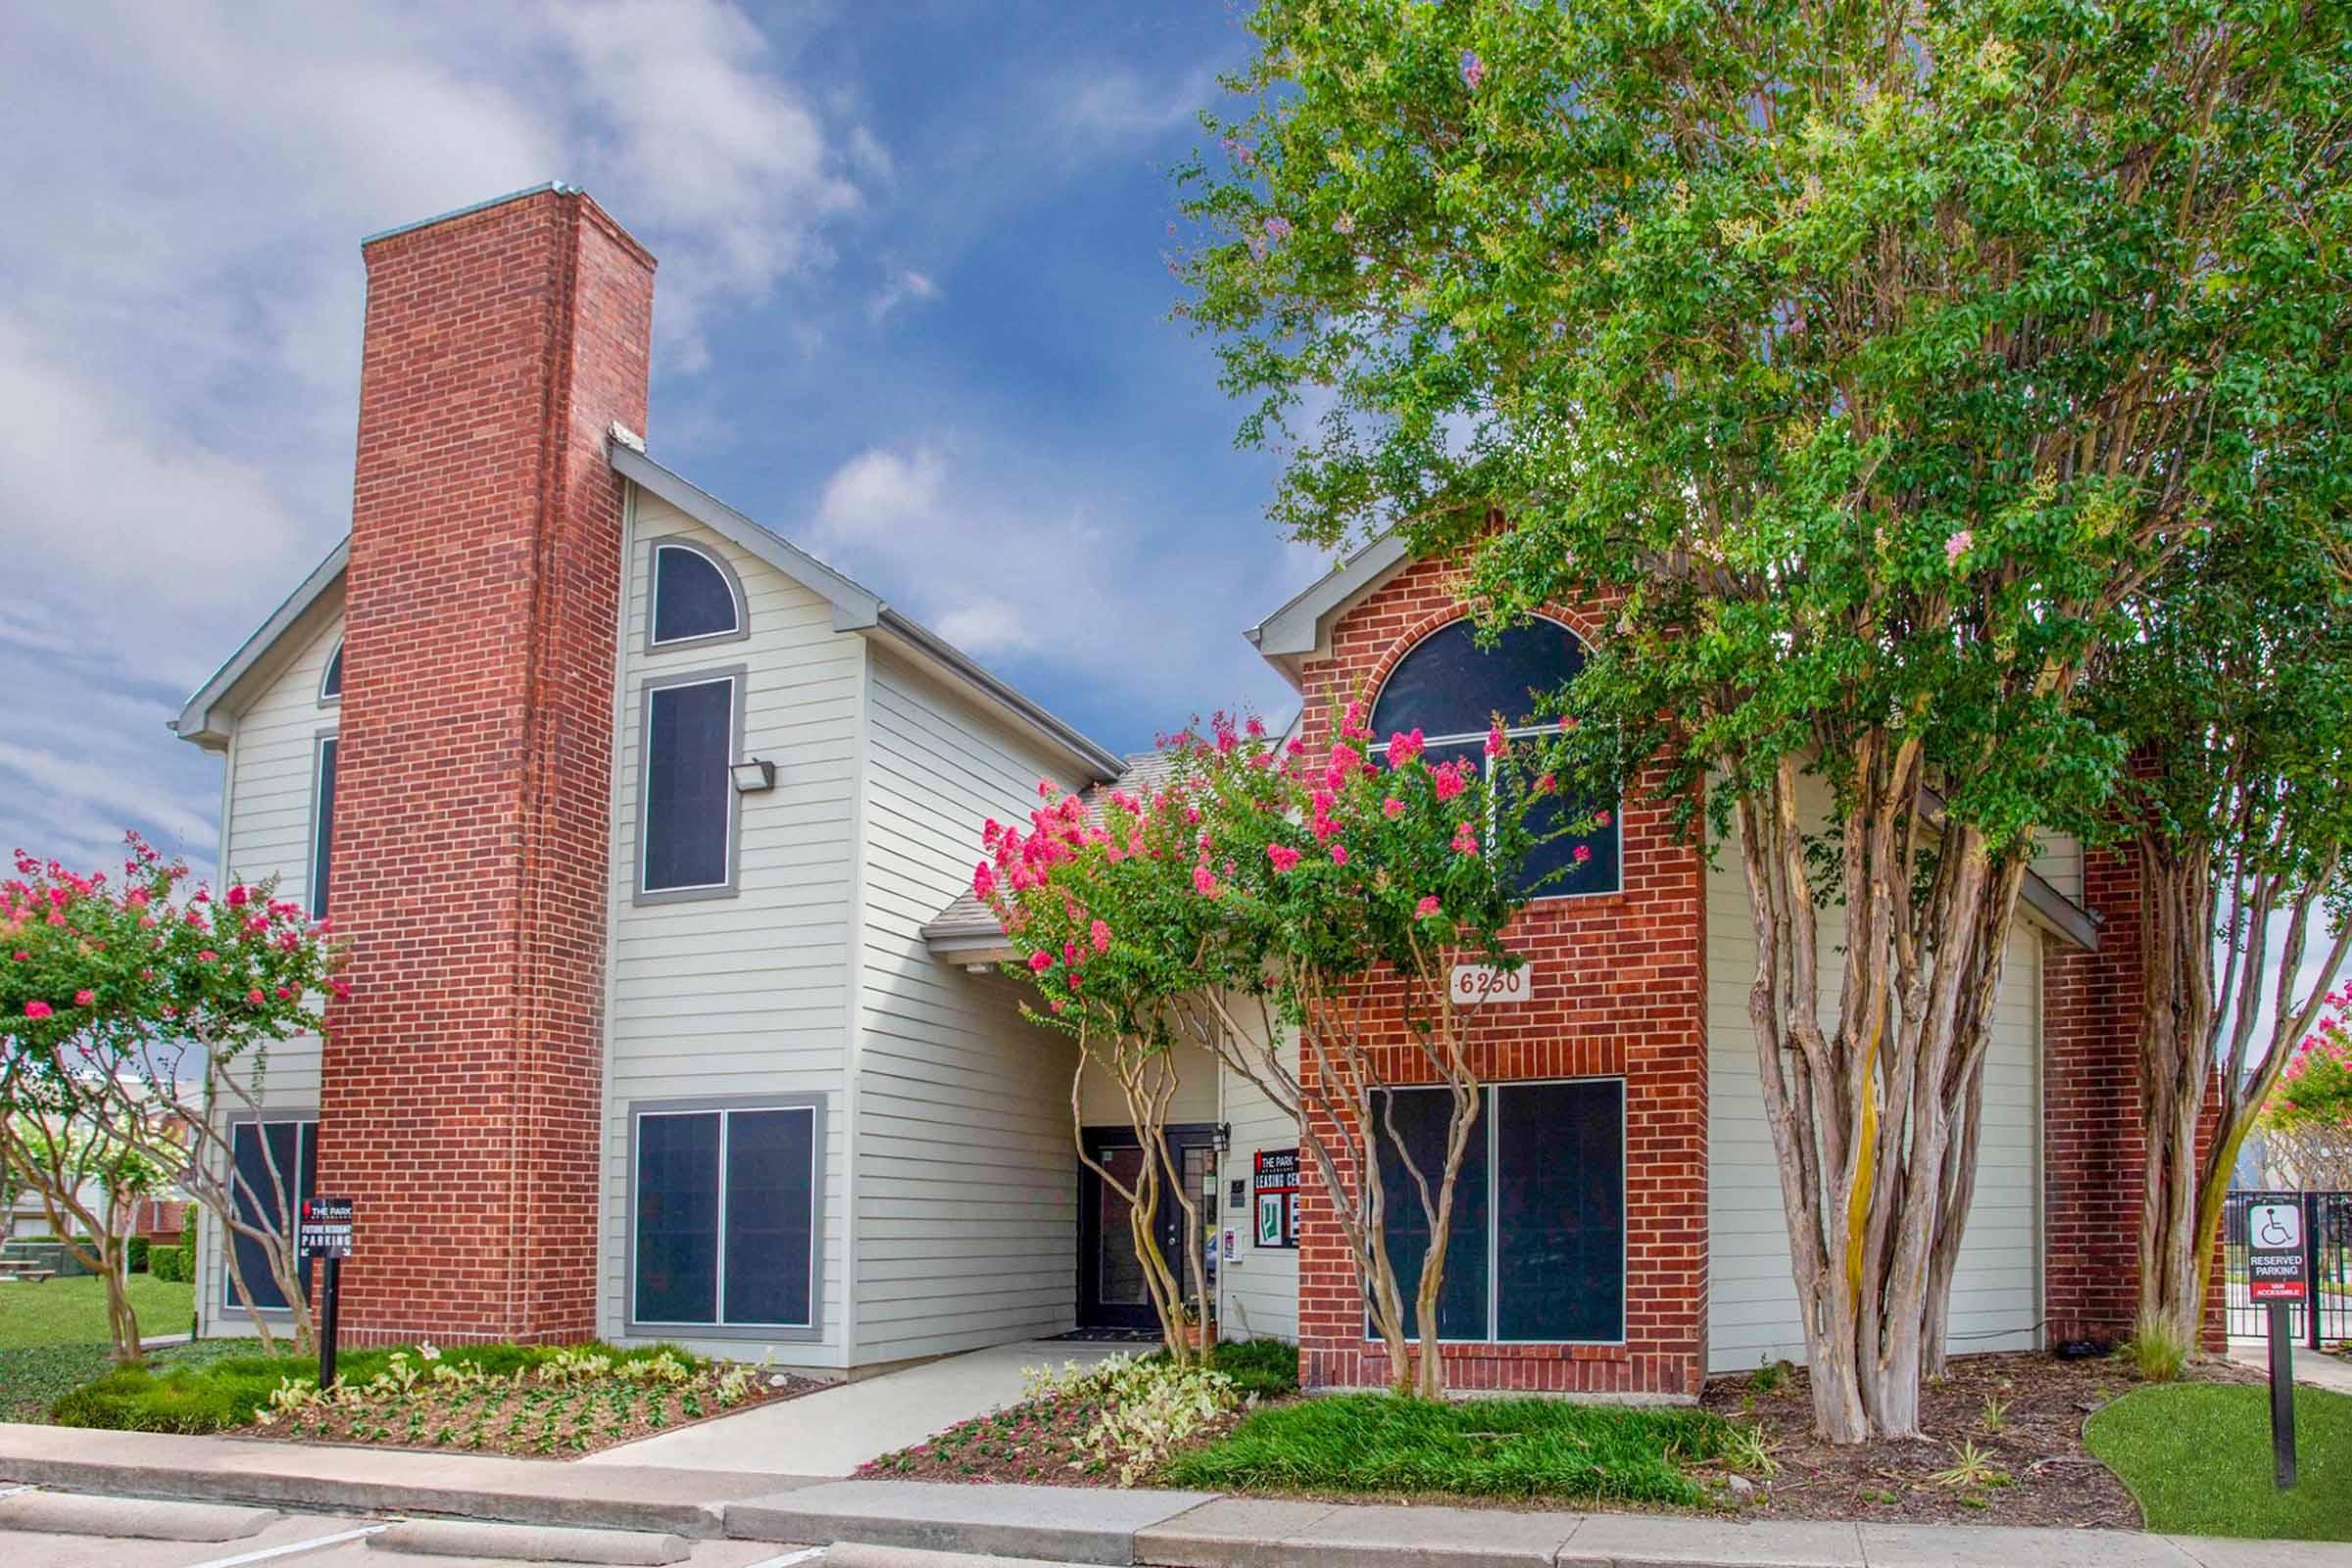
x=138, y=1250
x=2156, y=1352
x=1382, y=1444
x=166, y=1265
x=1268, y=1369
x=188, y=1242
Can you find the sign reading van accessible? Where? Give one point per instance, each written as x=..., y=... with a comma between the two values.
x=2275, y=1242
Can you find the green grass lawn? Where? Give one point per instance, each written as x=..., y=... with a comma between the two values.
x=1381, y=1445
x=73, y=1311
x=2197, y=1456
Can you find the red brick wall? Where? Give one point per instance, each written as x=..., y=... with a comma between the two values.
x=1619, y=989
x=462, y=1080
x=2095, y=1146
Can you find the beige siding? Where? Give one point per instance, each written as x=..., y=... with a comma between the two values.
x=2059, y=859
x=1102, y=1103
x=745, y=996
x=966, y=1185
x=270, y=781
x=1258, y=1290
x=1752, y=1312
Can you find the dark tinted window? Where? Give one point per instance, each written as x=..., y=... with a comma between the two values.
x=692, y=597
x=323, y=829
x=770, y=1170
x=677, y=1218
x=1420, y=1116
x=1448, y=685
x=689, y=797
x=332, y=684
x=292, y=1148
x=1559, y=1210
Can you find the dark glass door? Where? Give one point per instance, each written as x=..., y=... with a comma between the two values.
x=1111, y=1293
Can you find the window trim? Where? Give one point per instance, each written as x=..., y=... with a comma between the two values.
x=300, y=1117
x=1487, y=1114
x=323, y=845
x=723, y=1105
x=1379, y=748
x=334, y=667
x=739, y=676
x=653, y=578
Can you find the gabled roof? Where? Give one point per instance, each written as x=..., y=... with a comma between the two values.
x=1303, y=627
x=209, y=716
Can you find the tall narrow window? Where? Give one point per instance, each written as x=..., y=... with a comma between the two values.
x=322, y=828
x=725, y=1222
x=694, y=598
x=331, y=684
x=276, y=1161
x=1452, y=689
x=1536, y=1250
x=688, y=811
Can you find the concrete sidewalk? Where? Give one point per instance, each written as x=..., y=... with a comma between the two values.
x=1164, y=1528
x=2314, y=1369
x=835, y=1430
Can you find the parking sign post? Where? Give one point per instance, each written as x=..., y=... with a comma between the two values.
x=325, y=1233
x=2276, y=1274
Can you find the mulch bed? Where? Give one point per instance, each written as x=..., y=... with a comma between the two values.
x=1034, y=1444
x=529, y=1420
x=2051, y=1478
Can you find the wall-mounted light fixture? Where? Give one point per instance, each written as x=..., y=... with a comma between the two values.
x=754, y=774
x=1222, y=1139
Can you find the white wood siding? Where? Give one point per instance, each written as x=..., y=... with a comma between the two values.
x=750, y=994
x=269, y=782
x=1752, y=1315
x=1258, y=1290
x=966, y=1191
x=1102, y=1103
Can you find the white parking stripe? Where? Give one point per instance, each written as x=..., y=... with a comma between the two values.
x=805, y=1554
x=293, y=1546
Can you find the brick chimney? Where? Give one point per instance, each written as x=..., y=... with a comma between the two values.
x=461, y=1081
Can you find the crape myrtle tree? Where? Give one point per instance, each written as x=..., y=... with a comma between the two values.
x=120, y=1001
x=1261, y=889
x=2308, y=1118
x=1865, y=360
x=2234, y=695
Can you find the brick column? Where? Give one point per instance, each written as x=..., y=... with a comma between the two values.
x=462, y=1080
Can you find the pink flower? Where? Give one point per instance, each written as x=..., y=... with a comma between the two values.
x=21, y=958
x=285, y=992
x=37, y=1010
x=237, y=896
x=341, y=988
x=1497, y=743
x=1339, y=855
x=984, y=880
x=1100, y=935
x=1351, y=723
x=1547, y=783
x=255, y=997
x=1391, y=807
x=1601, y=819
x=208, y=955
x=1957, y=546
x=1205, y=882
x=1465, y=841
x=1403, y=747
x=1041, y=960
x=1427, y=908
x=84, y=996
x=1474, y=70
x=1283, y=856
x=1045, y=788
x=1584, y=852
x=1447, y=781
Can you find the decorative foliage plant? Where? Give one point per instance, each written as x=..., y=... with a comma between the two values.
x=1866, y=361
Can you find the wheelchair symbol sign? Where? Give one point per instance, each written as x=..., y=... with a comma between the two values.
x=2274, y=1252
x=2277, y=1227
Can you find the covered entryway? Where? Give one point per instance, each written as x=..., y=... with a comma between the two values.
x=1111, y=1294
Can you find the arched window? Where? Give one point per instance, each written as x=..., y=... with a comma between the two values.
x=1451, y=688
x=694, y=597
x=331, y=684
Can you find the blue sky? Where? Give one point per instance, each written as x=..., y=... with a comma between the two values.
x=912, y=313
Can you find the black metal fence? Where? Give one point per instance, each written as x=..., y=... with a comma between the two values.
x=2325, y=1314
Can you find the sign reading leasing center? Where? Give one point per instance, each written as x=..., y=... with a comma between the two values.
x=2275, y=1251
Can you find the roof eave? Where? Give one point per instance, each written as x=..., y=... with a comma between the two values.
x=203, y=719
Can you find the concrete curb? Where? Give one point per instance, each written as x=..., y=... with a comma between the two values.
x=1061, y=1524
x=850, y=1554
x=466, y=1538
x=528, y=1492
x=54, y=1513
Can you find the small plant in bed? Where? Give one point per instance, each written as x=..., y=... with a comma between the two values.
x=533, y=1401
x=1382, y=1444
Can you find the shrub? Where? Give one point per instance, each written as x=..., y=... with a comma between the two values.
x=2156, y=1352
x=139, y=1254
x=1143, y=1409
x=165, y=1264
x=1264, y=1369
x=188, y=1242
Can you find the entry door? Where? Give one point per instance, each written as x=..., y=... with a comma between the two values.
x=1111, y=1294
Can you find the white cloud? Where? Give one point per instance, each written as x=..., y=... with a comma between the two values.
x=902, y=285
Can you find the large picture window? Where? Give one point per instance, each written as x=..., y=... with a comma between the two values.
x=1452, y=689
x=724, y=1226
x=1536, y=1250
x=290, y=1147
x=687, y=811
x=323, y=826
